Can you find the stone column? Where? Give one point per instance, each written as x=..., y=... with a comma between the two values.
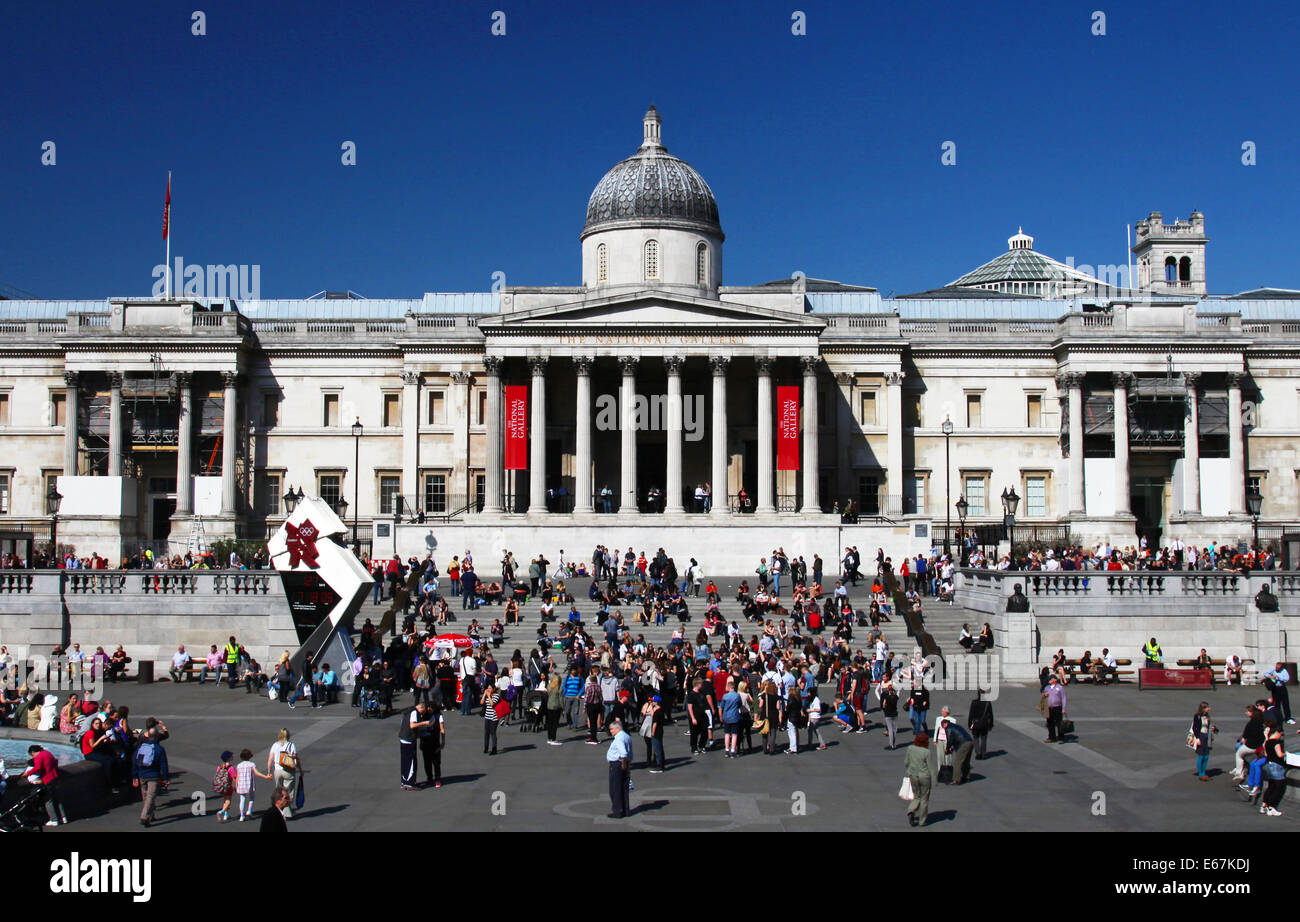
x=894, y=470
x=537, y=437
x=410, y=441
x=1236, y=447
x=229, y=408
x=1072, y=384
x=492, y=470
x=811, y=504
x=721, y=457
x=582, y=482
x=70, y=413
x=115, y=424
x=463, y=381
x=673, y=485
x=185, y=445
x=844, y=436
x=765, y=476
x=1122, y=493
x=1192, y=448
x=627, y=434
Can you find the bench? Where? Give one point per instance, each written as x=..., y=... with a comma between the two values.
x=1073, y=667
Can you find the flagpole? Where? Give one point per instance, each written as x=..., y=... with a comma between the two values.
x=168, y=296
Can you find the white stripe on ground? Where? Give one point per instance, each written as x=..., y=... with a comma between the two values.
x=1130, y=778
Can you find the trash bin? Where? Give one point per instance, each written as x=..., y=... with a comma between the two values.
x=146, y=671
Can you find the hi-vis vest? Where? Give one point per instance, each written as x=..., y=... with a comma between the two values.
x=232, y=653
x=1152, y=652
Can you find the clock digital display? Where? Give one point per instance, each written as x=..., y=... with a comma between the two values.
x=310, y=600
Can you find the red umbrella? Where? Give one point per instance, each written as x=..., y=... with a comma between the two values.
x=451, y=641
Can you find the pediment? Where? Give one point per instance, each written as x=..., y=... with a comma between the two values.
x=650, y=309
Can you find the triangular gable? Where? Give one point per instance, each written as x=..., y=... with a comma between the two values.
x=652, y=308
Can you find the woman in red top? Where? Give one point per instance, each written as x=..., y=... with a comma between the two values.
x=45, y=772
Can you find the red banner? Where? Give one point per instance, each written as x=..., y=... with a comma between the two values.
x=787, y=428
x=516, y=448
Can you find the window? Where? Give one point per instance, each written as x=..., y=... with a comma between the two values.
x=973, y=415
x=912, y=410
x=58, y=410
x=4, y=409
x=1035, y=496
x=435, y=493
x=330, y=488
x=4, y=494
x=1185, y=269
x=1171, y=269
x=330, y=416
x=482, y=407
x=651, y=259
x=272, y=484
x=480, y=490
x=975, y=493
x=602, y=263
x=867, y=408
x=392, y=415
x=270, y=410
x=390, y=488
x=701, y=265
x=914, y=495
x=437, y=409
x=869, y=494
x=1034, y=410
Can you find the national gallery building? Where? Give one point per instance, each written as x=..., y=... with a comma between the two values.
x=515, y=418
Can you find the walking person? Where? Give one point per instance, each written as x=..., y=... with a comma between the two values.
x=491, y=718
x=1276, y=680
x=594, y=703
x=793, y=718
x=433, y=739
x=919, y=706
x=554, y=707
x=653, y=722
x=413, y=720
x=980, y=723
x=44, y=771
x=284, y=765
x=697, y=716
x=889, y=708
x=1274, y=769
x=1200, y=734
x=619, y=759
x=769, y=706
x=960, y=745
x=149, y=768
x=916, y=765
x=246, y=775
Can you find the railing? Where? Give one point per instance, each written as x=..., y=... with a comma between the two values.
x=138, y=582
x=95, y=582
x=12, y=582
x=1138, y=583
x=787, y=502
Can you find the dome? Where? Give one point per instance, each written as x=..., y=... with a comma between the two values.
x=653, y=188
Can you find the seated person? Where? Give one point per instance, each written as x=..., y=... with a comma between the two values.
x=442, y=610
x=548, y=610
x=512, y=612
x=254, y=678
x=181, y=662
x=493, y=593
x=520, y=592
x=844, y=715
x=1085, y=662
x=327, y=684
x=117, y=664
x=966, y=641
x=1059, y=667
x=581, y=570
x=498, y=632
x=711, y=591
x=1104, y=667
x=985, y=640
x=762, y=600
x=1232, y=670
x=1203, y=661
x=574, y=615
x=742, y=593
x=817, y=591
x=593, y=592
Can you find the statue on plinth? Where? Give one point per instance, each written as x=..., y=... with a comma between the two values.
x=1017, y=602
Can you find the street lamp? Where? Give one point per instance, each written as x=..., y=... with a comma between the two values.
x=356, y=484
x=1254, y=503
x=341, y=507
x=290, y=500
x=962, y=508
x=947, y=480
x=1010, y=501
x=52, y=501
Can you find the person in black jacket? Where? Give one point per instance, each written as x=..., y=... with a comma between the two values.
x=273, y=819
x=981, y=722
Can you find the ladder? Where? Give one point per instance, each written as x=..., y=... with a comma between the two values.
x=197, y=543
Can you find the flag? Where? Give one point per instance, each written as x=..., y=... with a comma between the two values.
x=787, y=428
x=167, y=206
x=516, y=447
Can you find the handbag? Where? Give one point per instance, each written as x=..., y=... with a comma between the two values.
x=1067, y=726
x=647, y=726
x=905, y=790
x=1191, y=741
x=288, y=760
x=1274, y=771
x=300, y=798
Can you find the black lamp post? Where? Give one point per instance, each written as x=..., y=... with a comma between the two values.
x=947, y=480
x=52, y=501
x=1254, y=504
x=356, y=484
x=290, y=500
x=1010, y=501
x=962, y=508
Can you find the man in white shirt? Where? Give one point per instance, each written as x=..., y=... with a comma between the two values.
x=76, y=656
x=180, y=663
x=878, y=664
x=468, y=683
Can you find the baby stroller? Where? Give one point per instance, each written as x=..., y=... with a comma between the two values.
x=25, y=815
x=370, y=703
x=533, y=713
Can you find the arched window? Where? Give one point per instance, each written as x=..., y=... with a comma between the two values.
x=602, y=263
x=1171, y=269
x=1185, y=269
x=702, y=265
x=651, y=259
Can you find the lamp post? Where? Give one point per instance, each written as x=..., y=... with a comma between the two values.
x=947, y=480
x=290, y=500
x=341, y=507
x=1010, y=501
x=962, y=508
x=52, y=500
x=356, y=484
x=1255, y=503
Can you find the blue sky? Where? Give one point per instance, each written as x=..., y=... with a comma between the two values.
x=477, y=153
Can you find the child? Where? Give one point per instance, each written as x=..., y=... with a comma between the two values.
x=843, y=714
x=223, y=785
x=245, y=783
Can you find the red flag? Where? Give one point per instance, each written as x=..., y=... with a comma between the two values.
x=167, y=206
x=787, y=428
x=516, y=447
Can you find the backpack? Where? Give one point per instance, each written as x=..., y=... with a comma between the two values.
x=145, y=755
x=221, y=783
